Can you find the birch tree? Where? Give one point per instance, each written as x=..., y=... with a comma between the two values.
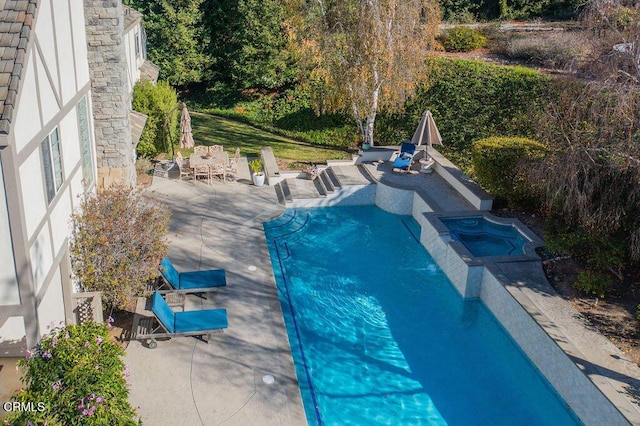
x=364, y=55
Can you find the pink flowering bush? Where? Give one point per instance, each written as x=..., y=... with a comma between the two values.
x=75, y=376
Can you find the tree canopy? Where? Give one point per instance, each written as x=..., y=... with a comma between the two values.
x=365, y=55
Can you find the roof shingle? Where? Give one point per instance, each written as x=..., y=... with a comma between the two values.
x=16, y=20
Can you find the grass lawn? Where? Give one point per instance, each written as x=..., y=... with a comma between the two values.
x=211, y=130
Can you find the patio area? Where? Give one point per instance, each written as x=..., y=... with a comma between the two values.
x=187, y=381
x=245, y=375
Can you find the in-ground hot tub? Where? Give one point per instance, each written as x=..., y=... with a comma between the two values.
x=484, y=237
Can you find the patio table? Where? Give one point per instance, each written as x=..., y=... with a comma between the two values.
x=216, y=158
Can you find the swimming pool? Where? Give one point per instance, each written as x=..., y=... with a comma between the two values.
x=380, y=336
x=483, y=237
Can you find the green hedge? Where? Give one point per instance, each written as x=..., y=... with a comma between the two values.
x=498, y=163
x=472, y=100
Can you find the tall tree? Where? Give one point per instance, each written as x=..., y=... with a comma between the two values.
x=248, y=43
x=177, y=40
x=363, y=55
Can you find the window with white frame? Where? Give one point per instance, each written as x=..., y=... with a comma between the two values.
x=52, y=163
x=85, y=144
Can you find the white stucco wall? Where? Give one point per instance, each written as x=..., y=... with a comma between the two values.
x=26, y=121
x=70, y=143
x=66, y=62
x=41, y=257
x=9, y=294
x=55, y=75
x=51, y=307
x=133, y=62
x=60, y=222
x=33, y=195
x=79, y=43
x=11, y=330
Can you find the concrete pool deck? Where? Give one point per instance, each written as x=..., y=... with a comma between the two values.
x=186, y=381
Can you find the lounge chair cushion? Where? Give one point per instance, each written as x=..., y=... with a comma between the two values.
x=169, y=273
x=401, y=163
x=202, y=279
x=164, y=312
x=193, y=279
x=210, y=319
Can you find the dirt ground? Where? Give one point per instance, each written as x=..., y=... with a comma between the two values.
x=614, y=315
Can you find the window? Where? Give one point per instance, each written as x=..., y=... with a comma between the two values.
x=137, y=43
x=85, y=144
x=52, y=163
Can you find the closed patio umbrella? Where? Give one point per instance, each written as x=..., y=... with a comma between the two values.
x=186, y=135
x=427, y=133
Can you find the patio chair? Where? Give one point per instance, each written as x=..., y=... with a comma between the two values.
x=218, y=169
x=216, y=148
x=202, y=170
x=404, y=157
x=232, y=168
x=201, y=149
x=183, y=166
x=192, y=281
x=177, y=324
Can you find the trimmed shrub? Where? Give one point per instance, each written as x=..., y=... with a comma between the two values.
x=117, y=242
x=498, y=163
x=593, y=282
x=157, y=101
x=75, y=376
x=463, y=39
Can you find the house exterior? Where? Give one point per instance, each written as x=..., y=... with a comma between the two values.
x=66, y=74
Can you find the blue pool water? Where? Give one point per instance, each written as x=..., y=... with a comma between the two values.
x=380, y=336
x=485, y=238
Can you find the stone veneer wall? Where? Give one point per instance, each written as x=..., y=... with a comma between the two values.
x=111, y=99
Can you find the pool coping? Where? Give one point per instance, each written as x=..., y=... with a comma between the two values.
x=528, y=248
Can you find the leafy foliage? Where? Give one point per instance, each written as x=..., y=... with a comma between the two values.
x=599, y=251
x=499, y=165
x=256, y=166
x=471, y=100
x=118, y=241
x=177, y=41
x=593, y=282
x=78, y=374
x=290, y=114
x=463, y=39
x=363, y=56
x=158, y=102
x=485, y=10
x=248, y=44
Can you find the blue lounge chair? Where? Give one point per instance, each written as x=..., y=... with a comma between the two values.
x=178, y=324
x=193, y=281
x=405, y=157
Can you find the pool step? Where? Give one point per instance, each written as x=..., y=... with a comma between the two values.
x=329, y=181
x=326, y=181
